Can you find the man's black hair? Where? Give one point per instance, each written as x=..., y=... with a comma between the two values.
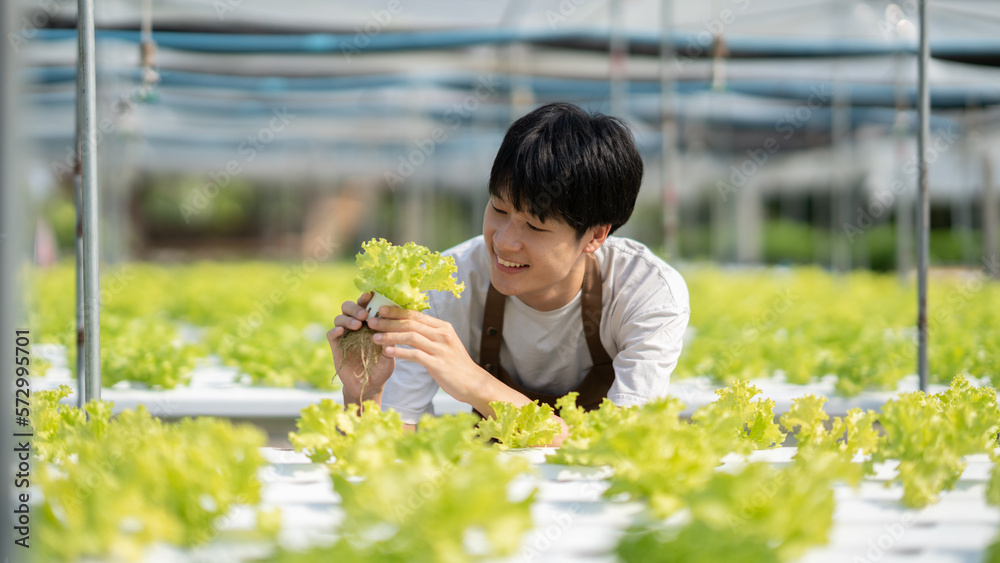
x=559, y=161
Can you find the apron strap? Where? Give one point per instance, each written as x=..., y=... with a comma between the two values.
x=489, y=347
x=591, y=309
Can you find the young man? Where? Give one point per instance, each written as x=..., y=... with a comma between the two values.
x=552, y=302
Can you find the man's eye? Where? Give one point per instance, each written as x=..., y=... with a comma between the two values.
x=498, y=210
x=534, y=228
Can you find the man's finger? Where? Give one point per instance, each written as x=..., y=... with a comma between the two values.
x=333, y=335
x=400, y=313
x=409, y=338
x=397, y=326
x=411, y=354
x=352, y=309
x=347, y=321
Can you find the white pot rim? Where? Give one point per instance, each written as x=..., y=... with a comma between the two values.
x=377, y=301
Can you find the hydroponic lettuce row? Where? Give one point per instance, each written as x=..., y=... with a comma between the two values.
x=802, y=323
x=806, y=323
x=444, y=492
x=659, y=457
x=405, y=273
x=671, y=464
x=266, y=319
x=422, y=495
x=274, y=354
x=111, y=487
x=760, y=513
x=423, y=510
x=931, y=434
x=354, y=441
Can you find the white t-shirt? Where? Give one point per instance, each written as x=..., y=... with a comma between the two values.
x=644, y=312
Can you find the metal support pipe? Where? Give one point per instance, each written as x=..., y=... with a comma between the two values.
x=81, y=366
x=8, y=268
x=924, y=215
x=668, y=129
x=989, y=212
x=86, y=87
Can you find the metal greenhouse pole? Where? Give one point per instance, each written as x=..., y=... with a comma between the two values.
x=81, y=365
x=86, y=86
x=924, y=215
x=989, y=212
x=8, y=267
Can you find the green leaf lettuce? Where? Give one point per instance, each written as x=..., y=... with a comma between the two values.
x=405, y=273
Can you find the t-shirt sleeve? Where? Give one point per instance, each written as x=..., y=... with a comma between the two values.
x=650, y=336
x=410, y=391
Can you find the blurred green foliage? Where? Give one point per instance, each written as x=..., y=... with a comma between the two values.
x=267, y=319
x=859, y=327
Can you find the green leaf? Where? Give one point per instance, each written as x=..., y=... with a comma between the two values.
x=520, y=427
x=738, y=422
x=931, y=434
x=405, y=273
x=352, y=442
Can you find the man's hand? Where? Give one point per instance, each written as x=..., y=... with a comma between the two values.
x=350, y=369
x=434, y=345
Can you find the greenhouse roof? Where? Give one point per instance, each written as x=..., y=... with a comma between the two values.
x=369, y=83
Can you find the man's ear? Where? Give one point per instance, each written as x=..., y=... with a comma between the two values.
x=597, y=235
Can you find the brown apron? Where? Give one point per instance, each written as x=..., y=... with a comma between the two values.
x=594, y=387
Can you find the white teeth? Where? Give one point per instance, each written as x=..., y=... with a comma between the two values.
x=509, y=264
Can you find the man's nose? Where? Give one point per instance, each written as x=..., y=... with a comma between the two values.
x=506, y=237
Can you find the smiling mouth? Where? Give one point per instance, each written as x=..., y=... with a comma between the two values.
x=503, y=262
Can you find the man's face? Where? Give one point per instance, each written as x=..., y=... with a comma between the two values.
x=539, y=262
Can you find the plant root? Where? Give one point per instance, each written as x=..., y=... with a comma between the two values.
x=359, y=344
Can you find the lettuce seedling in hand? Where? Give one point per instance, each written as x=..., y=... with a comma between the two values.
x=403, y=274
